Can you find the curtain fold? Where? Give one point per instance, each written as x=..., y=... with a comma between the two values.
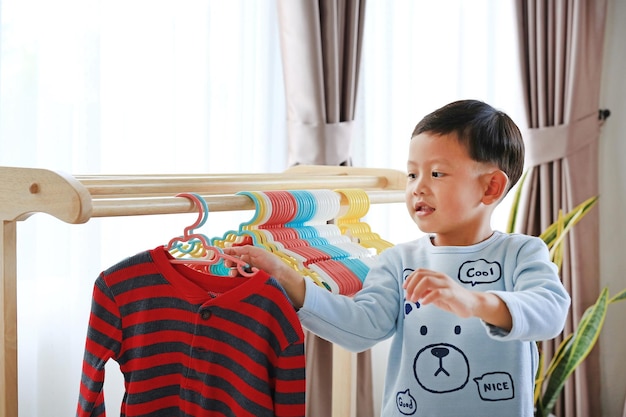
x=321, y=51
x=561, y=45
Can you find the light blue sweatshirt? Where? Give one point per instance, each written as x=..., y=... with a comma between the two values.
x=440, y=364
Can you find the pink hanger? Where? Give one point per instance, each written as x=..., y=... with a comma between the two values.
x=209, y=255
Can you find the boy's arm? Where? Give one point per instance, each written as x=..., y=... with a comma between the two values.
x=492, y=310
x=356, y=323
x=538, y=302
x=432, y=287
x=534, y=308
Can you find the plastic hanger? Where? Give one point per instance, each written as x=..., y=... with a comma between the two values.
x=292, y=225
x=297, y=226
x=197, y=245
x=351, y=224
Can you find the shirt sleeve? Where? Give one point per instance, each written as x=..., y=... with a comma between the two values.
x=290, y=390
x=355, y=323
x=538, y=303
x=103, y=342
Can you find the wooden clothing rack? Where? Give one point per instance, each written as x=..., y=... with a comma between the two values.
x=76, y=199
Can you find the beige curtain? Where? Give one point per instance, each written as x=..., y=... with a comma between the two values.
x=561, y=45
x=321, y=50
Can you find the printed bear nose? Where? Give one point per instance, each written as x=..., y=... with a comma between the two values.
x=440, y=352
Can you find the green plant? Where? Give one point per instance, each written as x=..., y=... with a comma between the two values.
x=571, y=353
x=576, y=346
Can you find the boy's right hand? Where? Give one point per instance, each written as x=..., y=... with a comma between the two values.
x=291, y=281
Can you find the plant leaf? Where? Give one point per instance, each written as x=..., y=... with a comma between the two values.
x=539, y=378
x=568, y=348
x=510, y=226
x=571, y=218
x=556, y=251
x=577, y=349
x=620, y=296
x=560, y=352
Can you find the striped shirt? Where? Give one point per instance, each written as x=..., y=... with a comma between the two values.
x=192, y=344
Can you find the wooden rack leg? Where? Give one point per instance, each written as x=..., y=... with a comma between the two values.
x=344, y=382
x=8, y=320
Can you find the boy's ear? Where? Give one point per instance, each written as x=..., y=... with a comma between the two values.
x=495, y=186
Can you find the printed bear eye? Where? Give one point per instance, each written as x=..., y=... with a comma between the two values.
x=457, y=329
x=423, y=330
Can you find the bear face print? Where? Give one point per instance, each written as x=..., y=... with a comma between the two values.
x=441, y=367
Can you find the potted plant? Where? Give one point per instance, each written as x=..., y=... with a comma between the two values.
x=573, y=350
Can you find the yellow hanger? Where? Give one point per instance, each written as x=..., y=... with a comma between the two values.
x=350, y=223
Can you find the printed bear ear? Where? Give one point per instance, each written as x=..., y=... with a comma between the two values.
x=408, y=307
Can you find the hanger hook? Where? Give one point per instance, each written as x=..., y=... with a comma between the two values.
x=203, y=211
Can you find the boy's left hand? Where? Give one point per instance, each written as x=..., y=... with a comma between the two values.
x=434, y=287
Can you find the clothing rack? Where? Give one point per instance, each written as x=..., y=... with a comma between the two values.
x=76, y=199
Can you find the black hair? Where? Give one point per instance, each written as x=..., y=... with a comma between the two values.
x=488, y=134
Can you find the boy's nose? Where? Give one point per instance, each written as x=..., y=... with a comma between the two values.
x=419, y=186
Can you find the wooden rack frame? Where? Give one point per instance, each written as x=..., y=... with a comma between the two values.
x=76, y=199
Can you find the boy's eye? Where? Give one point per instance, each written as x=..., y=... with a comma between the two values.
x=437, y=174
x=410, y=176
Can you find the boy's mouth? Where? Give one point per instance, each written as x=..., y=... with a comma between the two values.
x=424, y=209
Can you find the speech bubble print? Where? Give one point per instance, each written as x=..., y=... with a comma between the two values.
x=406, y=403
x=495, y=386
x=479, y=272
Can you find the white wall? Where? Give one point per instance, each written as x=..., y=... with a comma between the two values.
x=612, y=209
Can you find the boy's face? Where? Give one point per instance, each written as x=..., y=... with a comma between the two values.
x=445, y=190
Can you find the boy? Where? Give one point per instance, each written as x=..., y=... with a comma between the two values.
x=464, y=304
